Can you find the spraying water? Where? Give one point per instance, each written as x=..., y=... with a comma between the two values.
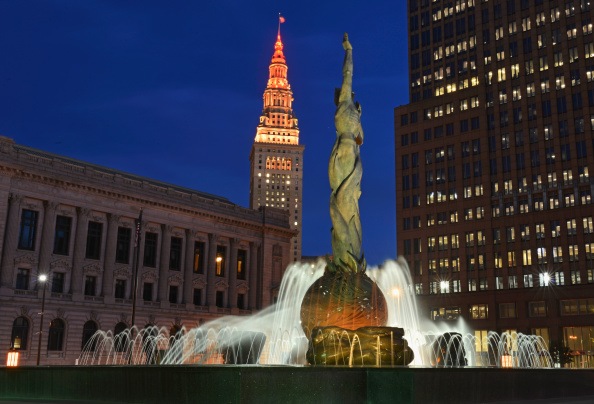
x=274, y=336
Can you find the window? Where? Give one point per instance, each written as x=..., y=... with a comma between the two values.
x=507, y=310
x=543, y=63
x=58, y=282
x=198, y=262
x=537, y=309
x=573, y=54
x=147, y=291
x=241, y=264
x=241, y=301
x=175, y=254
x=28, y=229
x=512, y=282
x=150, y=249
x=55, y=336
x=94, y=231
x=483, y=284
x=173, y=292
x=197, y=297
x=120, y=289
x=220, y=261
x=220, y=298
x=479, y=311
x=498, y=283
x=90, y=285
x=588, y=225
x=123, y=245
x=20, y=333
x=577, y=307
x=445, y=313
x=62, y=235
x=88, y=342
x=22, y=279
x=529, y=69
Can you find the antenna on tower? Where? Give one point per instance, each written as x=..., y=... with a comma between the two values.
x=281, y=19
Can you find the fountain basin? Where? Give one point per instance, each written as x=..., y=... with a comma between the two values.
x=293, y=384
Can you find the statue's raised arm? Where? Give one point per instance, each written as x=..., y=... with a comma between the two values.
x=346, y=91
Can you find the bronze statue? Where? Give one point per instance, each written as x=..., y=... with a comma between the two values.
x=345, y=306
x=345, y=171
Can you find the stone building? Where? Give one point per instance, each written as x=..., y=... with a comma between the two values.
x=199, y=256
x=277, y=157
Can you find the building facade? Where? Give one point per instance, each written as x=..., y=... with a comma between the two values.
x=276, y=158
x=493, y=158
x=199, y=255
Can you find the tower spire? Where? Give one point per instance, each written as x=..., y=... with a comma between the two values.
x=277, y=122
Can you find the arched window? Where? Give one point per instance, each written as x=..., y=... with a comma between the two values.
x=20, y=333
x=55, y=336
x=89, y=329
x=121, y=337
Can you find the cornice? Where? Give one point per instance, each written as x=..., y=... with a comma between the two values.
x=210, y=209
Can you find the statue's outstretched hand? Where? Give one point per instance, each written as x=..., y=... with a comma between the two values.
x=345, y=42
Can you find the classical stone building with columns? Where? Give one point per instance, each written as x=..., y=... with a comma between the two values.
x=198, y=255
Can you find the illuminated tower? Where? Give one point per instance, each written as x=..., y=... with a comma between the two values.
x=277, y=157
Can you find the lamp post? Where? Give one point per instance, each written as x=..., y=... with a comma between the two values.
x=135, y=280
x=43, y=279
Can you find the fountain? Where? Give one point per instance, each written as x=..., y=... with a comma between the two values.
x=334, y=312
x=275, y=336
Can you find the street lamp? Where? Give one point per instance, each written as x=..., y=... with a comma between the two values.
x=43, y=279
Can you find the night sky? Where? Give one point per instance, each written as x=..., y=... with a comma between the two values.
x=172, y=90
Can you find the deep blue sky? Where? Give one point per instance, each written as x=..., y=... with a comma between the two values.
x=172, y=90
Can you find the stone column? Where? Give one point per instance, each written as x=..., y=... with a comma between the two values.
x=211, y=270
x=232, y=295
x=80, y=245
x=252, y=276
x=11, y=236
x=164, y=263
x=188, y=268
x=46, y=246
x=109, y=258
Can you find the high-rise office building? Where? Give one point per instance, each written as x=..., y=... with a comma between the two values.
x=494, y=153
x=277, y=157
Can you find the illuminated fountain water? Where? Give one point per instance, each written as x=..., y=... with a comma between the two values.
x=275, y=336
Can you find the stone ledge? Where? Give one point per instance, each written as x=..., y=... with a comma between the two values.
x=292, y=384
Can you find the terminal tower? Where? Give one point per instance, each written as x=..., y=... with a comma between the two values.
x=277, y=157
